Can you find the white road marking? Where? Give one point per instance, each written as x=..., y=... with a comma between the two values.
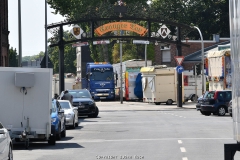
x=184, y=158
x=179, y=141
x=182, y=149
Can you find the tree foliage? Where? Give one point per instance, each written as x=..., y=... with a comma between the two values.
x=13, y=57
x=69, y=56
x=211, y=16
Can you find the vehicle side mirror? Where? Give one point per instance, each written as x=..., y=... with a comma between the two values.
x=61, y=111
x=2, y=131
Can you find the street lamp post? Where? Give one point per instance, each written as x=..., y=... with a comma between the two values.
x=202, y=66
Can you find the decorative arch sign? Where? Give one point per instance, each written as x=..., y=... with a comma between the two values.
x=128, y=26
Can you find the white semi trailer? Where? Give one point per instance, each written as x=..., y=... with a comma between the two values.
x=26, y=102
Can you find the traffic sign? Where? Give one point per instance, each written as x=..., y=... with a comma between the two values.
x=80, y=44
x=101, y=42
x=140, y=42
x=179, y=59
x=179, y=69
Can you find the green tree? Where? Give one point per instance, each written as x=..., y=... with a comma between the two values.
x=13, y=57
x=69, y=56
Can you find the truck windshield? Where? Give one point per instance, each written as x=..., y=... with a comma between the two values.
x=102, y=76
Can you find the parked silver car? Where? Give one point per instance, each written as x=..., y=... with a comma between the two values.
x=70, y=112
x=5, y=144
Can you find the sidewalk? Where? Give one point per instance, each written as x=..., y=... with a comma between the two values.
x=128, y=105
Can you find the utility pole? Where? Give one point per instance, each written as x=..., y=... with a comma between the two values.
x=19, y=35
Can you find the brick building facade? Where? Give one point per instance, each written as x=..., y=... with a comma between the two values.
x=194, y=47
x=4, y=42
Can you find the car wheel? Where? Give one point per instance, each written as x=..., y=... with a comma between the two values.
x=52, y=140
x=63, y=133
x=59, y=133
x=10, y=154
x=206, y=113
x=94, y=115
x=202, y=112
x=76, y=124
x=157, y=103
x=221, y=111
x=169, y=102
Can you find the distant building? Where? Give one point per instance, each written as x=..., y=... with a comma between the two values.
x=4, y=43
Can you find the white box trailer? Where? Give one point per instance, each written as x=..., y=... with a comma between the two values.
x=190, y=87
x=130, y=70
x=26, y=102
x=159, y=84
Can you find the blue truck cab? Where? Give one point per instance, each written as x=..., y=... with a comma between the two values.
x=100, y=80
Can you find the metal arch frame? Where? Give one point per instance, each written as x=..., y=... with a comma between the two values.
x=61, y=42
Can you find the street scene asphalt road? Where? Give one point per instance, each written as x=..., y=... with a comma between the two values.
x=136, y=130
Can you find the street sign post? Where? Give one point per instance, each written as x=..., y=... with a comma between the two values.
x=179, y=69
x=80, y=44
x=179, y=59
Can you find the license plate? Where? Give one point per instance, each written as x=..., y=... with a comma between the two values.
x=81, y=106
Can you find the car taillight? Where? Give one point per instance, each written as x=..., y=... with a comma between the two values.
x=215, y=95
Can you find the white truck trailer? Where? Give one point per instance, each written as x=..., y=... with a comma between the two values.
x=26, y=102
x=159, y=84
x=130, y=70
x=192, y=86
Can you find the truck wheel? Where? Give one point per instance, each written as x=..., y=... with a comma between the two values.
x=221, y=111
x=157, y=103
x=169, y=102
x=52, y=140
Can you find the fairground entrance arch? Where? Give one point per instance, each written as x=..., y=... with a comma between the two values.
x=155, y=30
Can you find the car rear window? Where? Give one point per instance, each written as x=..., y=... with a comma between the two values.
x=209, y=95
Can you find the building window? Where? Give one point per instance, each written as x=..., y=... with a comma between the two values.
x=166, y=56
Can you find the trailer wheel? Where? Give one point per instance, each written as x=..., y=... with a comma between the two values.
x=157, y=103
x=52, y=140
x=169, y=102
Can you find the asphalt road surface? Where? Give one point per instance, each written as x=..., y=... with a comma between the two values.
x=136, y=130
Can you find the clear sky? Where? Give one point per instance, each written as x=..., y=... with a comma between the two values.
x=33, y=21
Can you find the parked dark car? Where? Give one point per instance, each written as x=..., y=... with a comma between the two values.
x=230, y=108
x=199, y=101
x=216, y=102
x=58, y=120
x=85, y=103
